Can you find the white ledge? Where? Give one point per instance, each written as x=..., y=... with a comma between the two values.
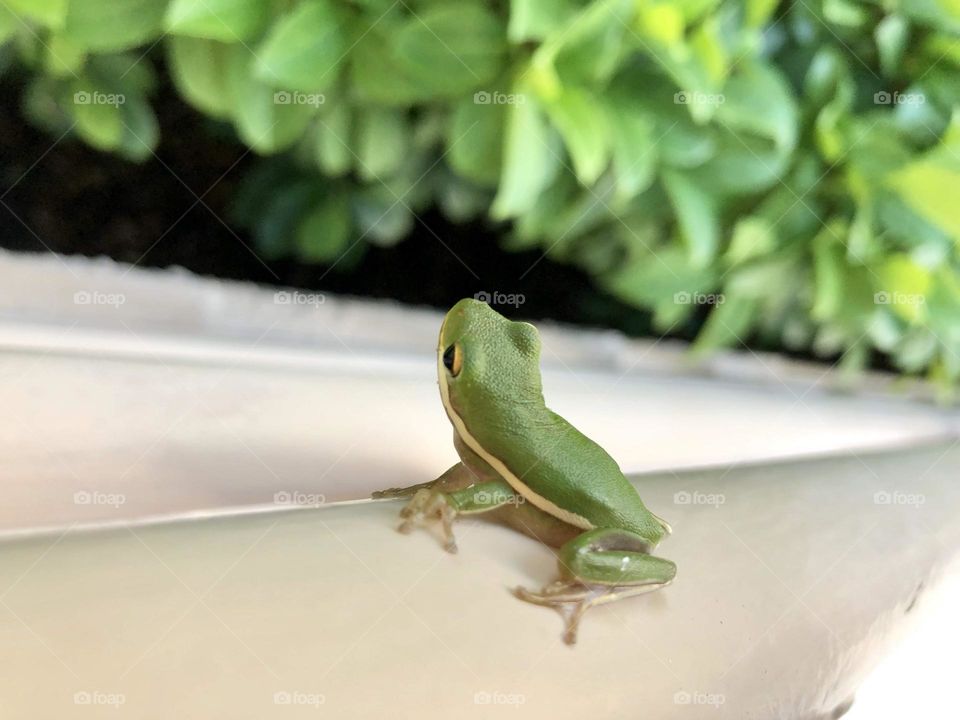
x=787, y=592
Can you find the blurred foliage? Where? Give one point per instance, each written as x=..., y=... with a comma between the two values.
x=796, y=166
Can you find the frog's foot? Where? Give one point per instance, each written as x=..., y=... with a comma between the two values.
x=573, y=598
x=598, y=567
x=427, y=505
x=570, y=597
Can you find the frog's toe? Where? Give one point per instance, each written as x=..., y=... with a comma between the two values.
x=570, y=598
x=555, y=594
x=427, y=505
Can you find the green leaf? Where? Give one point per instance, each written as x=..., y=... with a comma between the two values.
x=904, y=285
x=728, y=324
x=823, y=75
x=266, y=120
x=536, y=19
x=758, y=100
x=697, y=214
x=696, y=10
x=128, y=73
x=661, y=277
x=589, y=47
x=331, y=137
x=943, y=15
x=63, y=56
x=10, y=24
x=51, y=13
x=759, y=12
x=96, y=112
x=141, y=131
x=753, y=236
x=45, y=106
x=583, y=126
x=462, y=201
x=383, y=141
x=661, y=22
x=536, y=223
x=449, y=49
x=829, y=276
x=105, y=25
x=324, y=233
x=529, y=160
x=586, y=211
x=710, y=51
x=381, y=218
x=199, y=70
x=900, y=223
x=475, y=139
x=375, y=77
x=844, y=13
x=226, y=20
x=743, y=165
x=917, y=350
x=929, y=186
x=634, y=148
x=680, y=142
x=891, y=37
x=304, y=49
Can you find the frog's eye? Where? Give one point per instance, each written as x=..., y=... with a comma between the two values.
x=453, y=359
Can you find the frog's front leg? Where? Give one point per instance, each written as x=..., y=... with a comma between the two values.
x=598, y=567
x=432, y=502
x=456, y=477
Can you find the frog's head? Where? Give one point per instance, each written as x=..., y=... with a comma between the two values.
x=486, y=363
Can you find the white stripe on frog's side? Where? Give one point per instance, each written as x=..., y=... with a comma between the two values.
x=518, y=485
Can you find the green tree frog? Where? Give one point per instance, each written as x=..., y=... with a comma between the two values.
x=526, y=466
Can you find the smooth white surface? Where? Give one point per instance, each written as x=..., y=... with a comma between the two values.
x=786, y=592
x=919, y=678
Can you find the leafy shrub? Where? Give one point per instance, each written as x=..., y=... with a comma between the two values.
x=795, y=165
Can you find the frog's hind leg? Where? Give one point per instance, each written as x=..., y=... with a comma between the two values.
x=599, y=567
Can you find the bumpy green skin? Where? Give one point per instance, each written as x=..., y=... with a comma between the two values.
x=498, y=396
